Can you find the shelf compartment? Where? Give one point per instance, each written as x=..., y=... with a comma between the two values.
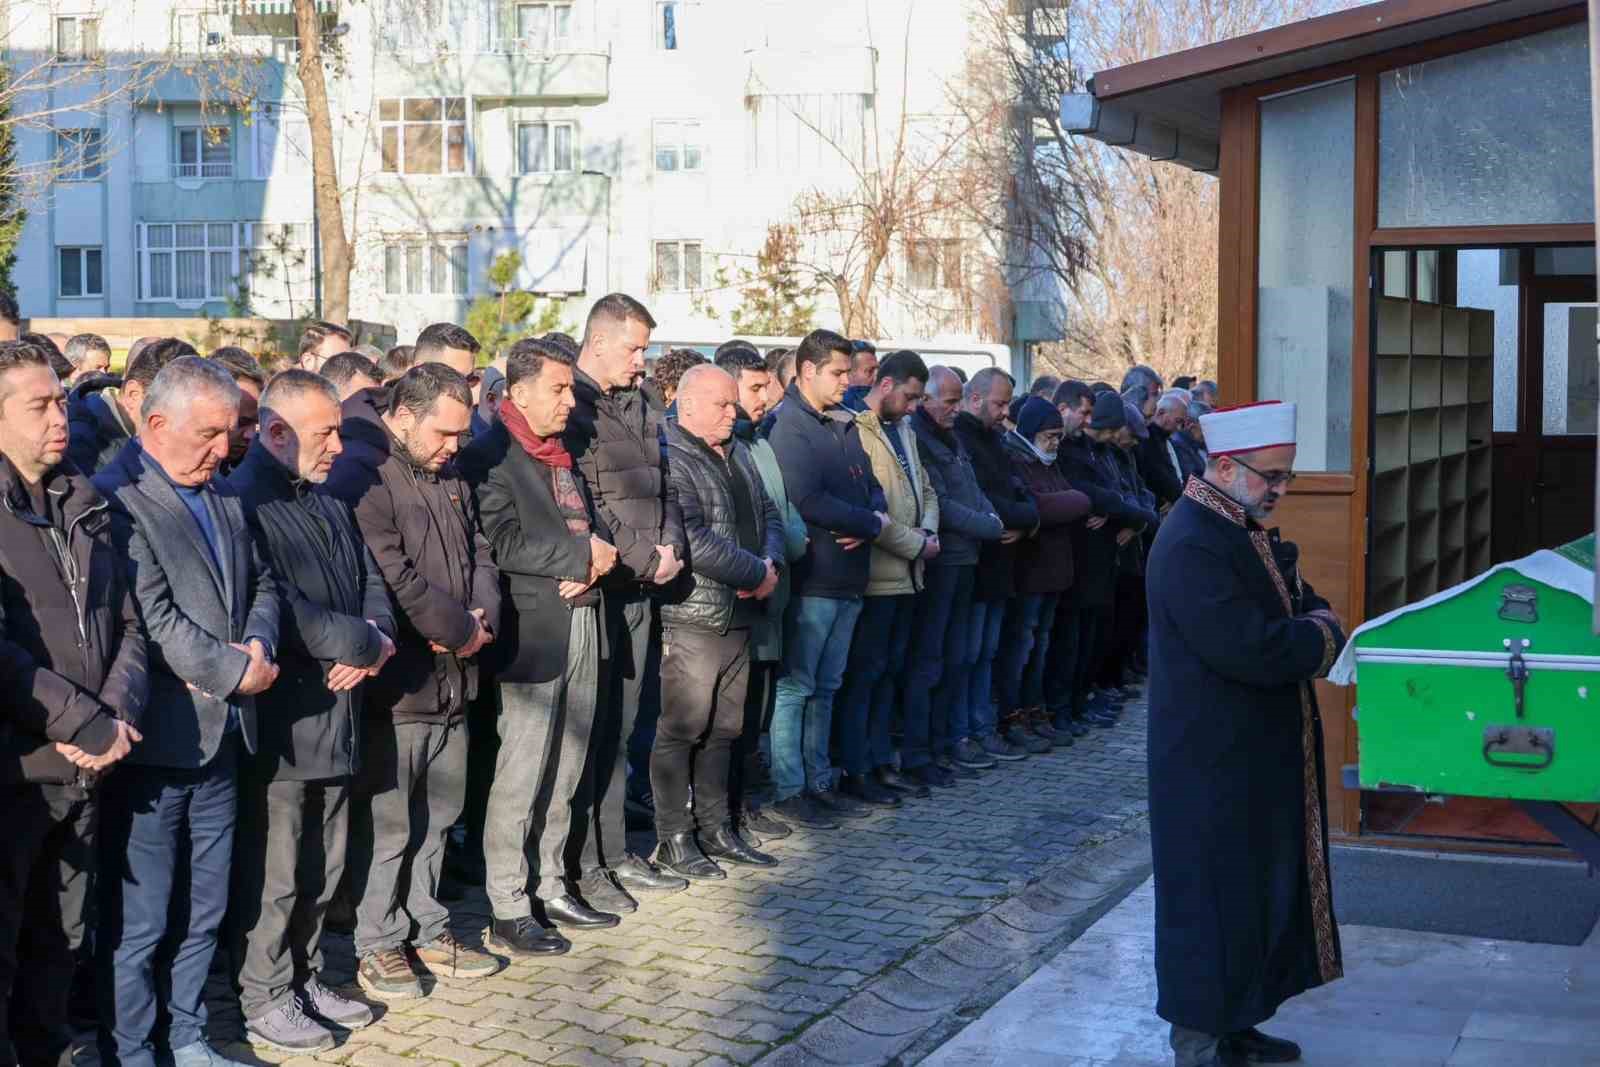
x=1480, y=332
x=1453, y=431
x=1389, y=559
x=1392, y=441
x=1454, y=382
x=1424, y=435
x=1424, y=489
x=1427, y=322
x=1480, y=425
x=1393, y=384
x=1479, y=516
x=1456, y=332
x=1453, y=528
x=1480, y=472
x=1425, y=374
x=1391, y=501
x=1453, y=480
x=1480, y=380
x=1394, y=326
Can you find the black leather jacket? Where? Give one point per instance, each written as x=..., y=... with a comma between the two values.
x=704, y=596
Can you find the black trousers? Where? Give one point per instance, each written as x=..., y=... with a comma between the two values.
x=1061, y=694
x=1092, y=622
x=599, y=835
x=45, y=870
x=704, y=676
x=760, y=697
x=288, y=858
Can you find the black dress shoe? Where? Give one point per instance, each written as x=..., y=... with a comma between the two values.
x=525, y=937
x=955, y=770
x=637, y=875
x=801, y=810
x=931, y=774
x=1252, y=1046
x=572, y=913
x=679, y=854
x=599, y=890
x=890, y=778
x=724, y=843
x=865, y=789
x=840, y=805
x=763, y=824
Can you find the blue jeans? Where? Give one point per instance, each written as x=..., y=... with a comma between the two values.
x=1021, y=664
x=932, y=621
x=988, y=617
x=816, y=647
x=865, y=704
x=168, y=850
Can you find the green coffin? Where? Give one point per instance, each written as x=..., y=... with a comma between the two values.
x=1438, y=684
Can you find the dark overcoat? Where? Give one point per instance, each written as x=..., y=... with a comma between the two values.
x=1244, y=912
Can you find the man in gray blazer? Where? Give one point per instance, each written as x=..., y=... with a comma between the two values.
x=210, y=607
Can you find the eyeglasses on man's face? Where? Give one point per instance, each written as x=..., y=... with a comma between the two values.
x=1274, y=479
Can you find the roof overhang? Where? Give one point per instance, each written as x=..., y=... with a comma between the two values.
x=1170, y=107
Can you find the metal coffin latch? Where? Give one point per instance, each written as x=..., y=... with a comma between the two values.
x=1517, y=671
x=1519, y=603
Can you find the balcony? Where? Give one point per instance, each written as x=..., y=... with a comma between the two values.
x=202, y=171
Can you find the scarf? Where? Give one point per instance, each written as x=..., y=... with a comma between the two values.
x=547, y=450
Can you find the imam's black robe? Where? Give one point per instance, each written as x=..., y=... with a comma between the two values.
x=1244, y=911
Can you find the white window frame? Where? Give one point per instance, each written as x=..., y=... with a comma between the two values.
x=400, y=123
x=78, y=54
x=550, y=128
x=554, y=42
x=679, y=284
x=80, y=154
x=202, y=170
x=278, y=135
x=413, y=264
x=685, y=15
x=938, y=251
x=682, y=136
x=84, y=252
x=169, y=266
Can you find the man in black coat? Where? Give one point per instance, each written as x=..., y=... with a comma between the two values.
x=985, y=404
x=416, y=516
x=735, y=550
x=210, y=607
x=73, y=666
x=336, y=631
x=1239, y=837
x=614, y=435
x=103, y=409
x=551, y=550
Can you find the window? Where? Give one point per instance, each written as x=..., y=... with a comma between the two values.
x=935, y=264
x=424, y=135
x=280, y=142
x=202, y=152
x=678, y=146
x=421, y=266
x=544, y=27
x=77, y=38
x=274, y=258
x=80, y=155
x=545, y=147
x=677, y=266
x=80, y=271
x=189, y=262
x=670, y=18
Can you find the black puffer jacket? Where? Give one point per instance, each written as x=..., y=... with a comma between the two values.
x=72, y=656
x=615, y=441
x=331, y=589
x=97, y=426
x=966, y=518
x=1155, y=466
x=1011, y=500
x=1094, y=471
x=437, y=564
x=705, y=595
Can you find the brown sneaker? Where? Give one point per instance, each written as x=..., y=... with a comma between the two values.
x=449, y=958
x=388, y=975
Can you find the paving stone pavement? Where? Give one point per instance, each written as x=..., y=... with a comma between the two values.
x=859, y=942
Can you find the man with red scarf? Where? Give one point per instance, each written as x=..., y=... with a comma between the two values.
x=537, y=513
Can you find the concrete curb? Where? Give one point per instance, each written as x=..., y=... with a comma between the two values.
x=914, y=1006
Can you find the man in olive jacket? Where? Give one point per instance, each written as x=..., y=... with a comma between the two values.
x=871, y=688
x=551, y=550
x=336, y=631
x=416, y=516
x=736, y=549
x=73, y=667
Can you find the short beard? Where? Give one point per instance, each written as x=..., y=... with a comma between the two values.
x=403, y=445
x=1237, y=492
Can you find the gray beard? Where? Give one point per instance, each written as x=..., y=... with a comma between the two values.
x=1236, y=491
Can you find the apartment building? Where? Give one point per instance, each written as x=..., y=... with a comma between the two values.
x=615, y=144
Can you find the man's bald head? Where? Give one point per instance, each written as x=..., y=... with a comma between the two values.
x=708, y=402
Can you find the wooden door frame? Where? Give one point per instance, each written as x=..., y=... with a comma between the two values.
x=1531, y=440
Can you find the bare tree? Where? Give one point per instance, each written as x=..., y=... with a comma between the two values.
x=336, y=258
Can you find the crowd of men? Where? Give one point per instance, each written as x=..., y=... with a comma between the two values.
x=270, y=636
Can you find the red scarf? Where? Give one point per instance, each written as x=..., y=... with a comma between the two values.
x=547, y=450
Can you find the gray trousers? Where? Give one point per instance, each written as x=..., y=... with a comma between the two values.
x=544, y=738
x=1191, y=1048
x=412, y=785
x=288, y=857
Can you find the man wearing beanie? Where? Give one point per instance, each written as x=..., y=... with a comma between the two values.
x=1044, y=571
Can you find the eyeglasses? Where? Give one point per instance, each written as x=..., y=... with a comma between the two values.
x=1280, y=478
